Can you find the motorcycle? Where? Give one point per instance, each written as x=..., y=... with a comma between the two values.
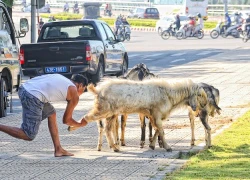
x=185, y=32
x=76, y=10
x=65, y=9
x=232, y=31
x=245, y=35
x=217, y=31
x=171, y=31
x=124, y=32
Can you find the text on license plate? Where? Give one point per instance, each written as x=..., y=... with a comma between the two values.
x=55, y=69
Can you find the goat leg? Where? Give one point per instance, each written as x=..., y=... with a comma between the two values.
x=204, y=120
x=143, y=129
x=123, y=125
x=191, y=118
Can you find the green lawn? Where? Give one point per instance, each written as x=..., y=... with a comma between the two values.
x=228, y=159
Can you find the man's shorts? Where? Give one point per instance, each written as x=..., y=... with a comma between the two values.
x=34, y=111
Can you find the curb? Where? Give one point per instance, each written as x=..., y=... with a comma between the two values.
x=151, y=29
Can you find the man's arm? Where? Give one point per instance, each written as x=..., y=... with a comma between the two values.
x=72, y=99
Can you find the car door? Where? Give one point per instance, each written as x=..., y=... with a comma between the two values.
x=114, y=59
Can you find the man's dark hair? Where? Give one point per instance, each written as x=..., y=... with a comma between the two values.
x=79, y=78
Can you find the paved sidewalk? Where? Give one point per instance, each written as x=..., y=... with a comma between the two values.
x=34, y=160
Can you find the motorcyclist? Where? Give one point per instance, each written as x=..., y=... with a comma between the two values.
x=227, y=23
x=40, y=25
x=248, y=25
x=47, y=6
x=177, y=22
x=75, y=8
x=66, y=7
x=191, y=24
x=200, y=23
x=237, y=18
x=118, y=22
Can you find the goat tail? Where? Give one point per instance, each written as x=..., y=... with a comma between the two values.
x=91, y=88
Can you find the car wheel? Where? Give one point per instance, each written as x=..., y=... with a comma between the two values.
x=99, y=74
x=159, y=31
x=3, y=98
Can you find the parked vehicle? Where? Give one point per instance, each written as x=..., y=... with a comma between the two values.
x=10, y=76
x=144, y=13
x=124, y=32
x=164, y=23
x=171, y=31
x=185, y=32
x=88, y=47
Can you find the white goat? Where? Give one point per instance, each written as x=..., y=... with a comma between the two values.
x=153, y=98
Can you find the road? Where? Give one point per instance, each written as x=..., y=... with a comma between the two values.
x=159, y=55
x=223, y=63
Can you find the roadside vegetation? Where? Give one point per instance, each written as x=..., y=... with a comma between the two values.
x=110, y=21
x=228, y=159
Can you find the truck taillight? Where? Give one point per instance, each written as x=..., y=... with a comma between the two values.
x=21, y=56
x=88, y=53
x=186, y=10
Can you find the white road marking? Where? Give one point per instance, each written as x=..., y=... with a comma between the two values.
x=177, y=60
x=204, y=53
x=245, y=55
x=178, y=54
x=157, y=54
x=133, y=55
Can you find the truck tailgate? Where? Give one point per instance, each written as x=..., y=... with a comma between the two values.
x=54, y=54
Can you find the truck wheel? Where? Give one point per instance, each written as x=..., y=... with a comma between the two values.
x=124, y=67
x=99, y=74
x=3, y=98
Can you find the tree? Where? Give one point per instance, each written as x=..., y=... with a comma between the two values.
x=9, y=4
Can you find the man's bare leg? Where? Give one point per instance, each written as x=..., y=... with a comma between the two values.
x=53, y=128
x=14, y=132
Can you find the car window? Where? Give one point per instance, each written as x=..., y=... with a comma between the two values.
x=109, y=32
x=5, y=28
x=85, y=31
x=102, y=31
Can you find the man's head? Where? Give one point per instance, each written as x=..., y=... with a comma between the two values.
x=80, y=81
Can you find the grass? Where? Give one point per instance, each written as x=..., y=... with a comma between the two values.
x=228, y=159
x=110, y=21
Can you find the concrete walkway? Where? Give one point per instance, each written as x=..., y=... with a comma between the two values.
x=34, y=160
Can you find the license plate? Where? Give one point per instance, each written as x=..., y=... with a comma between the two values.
x=60, y=69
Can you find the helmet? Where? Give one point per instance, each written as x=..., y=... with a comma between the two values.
x=226, y=14
x=236, y=13
x=199, y=15
x=177, y=15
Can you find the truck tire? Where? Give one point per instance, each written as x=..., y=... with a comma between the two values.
x=124, y=67
x=3, y=98
x=99, y=74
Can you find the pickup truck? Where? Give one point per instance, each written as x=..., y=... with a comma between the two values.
x=88, y=47
x=10, y=76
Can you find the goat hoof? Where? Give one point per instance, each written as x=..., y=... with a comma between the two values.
x=160, y=143
x=142, y=144
x=169, y=150
x=150, y=139
x=123, y=144
x=152, y=147
x=99, y=147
